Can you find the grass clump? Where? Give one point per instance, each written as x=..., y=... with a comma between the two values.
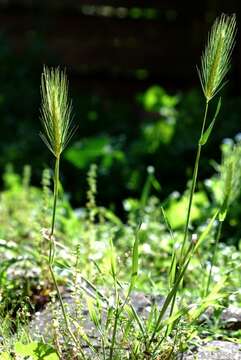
x=103, y=289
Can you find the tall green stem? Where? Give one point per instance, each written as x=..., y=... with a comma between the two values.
x=194, y=182
x=56, y=190
x=114, y=333
x=172, y=293
x=117, y=314
x=213, y=260
x=192, y=191
x=52, y=255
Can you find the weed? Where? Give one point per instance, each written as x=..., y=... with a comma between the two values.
x=107, y=260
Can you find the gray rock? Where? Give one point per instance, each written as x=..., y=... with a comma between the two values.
x=44, y=324
x=231, y=318
x=215, y=350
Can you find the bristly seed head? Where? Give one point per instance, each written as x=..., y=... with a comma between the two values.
x=215, y=62
x=231, y=175
x=56, y=110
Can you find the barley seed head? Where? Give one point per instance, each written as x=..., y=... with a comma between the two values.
x=56, y=110
x=215, y=61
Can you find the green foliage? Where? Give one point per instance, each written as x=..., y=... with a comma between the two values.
x=5, y=356
x=177, y=206
x=35, y=351
x=230, y=171
x=156, y=99
x=100, y=149
x=153, y=238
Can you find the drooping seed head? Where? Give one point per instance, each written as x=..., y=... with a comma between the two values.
x=215, y=61
x=56, y=110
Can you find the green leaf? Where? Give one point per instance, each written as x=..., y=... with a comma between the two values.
x=207, y=133
x=135, y=259
x=94, y=313
x=173, y=318
x=176, y=209
x=172, y=271
x=112, y=260
x=89, y=150
x=36, y=351
x=156, y=185
x=211, y=300
x=109, y=215
x=146, y=191
x=172, y=293
x=206, y=231
x=5, y=356
x=223, y=213
x=138, y=320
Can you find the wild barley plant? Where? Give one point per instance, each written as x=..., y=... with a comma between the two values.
x=215, y=63
x=56, y=118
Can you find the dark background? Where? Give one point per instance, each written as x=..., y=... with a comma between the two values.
x=113, y=51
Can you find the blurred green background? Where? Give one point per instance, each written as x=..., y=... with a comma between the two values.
x=134, y=85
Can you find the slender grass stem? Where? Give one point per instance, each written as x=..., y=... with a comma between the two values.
x=174, y=297
x=194, y=182
x=117, y=314
x=119, y=306
x=214, y=254
x=172, y=293
x=170, y=314
x=114, y=334
x=52, y=255
x=56, y=188
x=192, y=191
x=66, y=320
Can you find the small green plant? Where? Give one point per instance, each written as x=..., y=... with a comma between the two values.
x=56, y=116
x=215, y=64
